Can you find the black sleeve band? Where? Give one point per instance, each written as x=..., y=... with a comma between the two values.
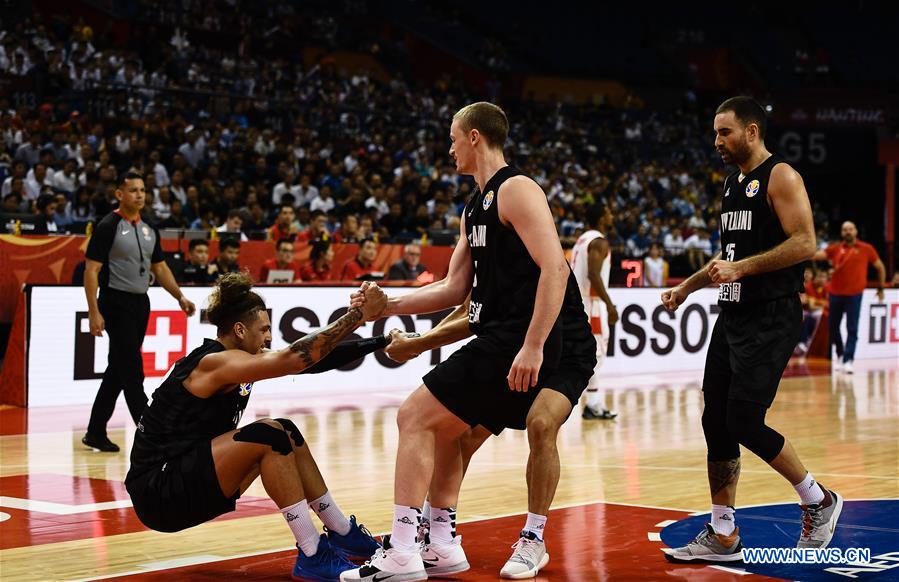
x=347, y=352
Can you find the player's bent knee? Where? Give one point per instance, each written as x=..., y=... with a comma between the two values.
x=746, y=423
x=292, y=431
x=263, y=433
x=542, y=426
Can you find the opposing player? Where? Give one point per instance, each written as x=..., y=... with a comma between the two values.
x=190, y=462
x=766, y=233
x=524, y=299
x=591, y=261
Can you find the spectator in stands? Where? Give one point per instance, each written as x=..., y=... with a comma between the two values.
x=196, y=270
x=233, y=225
x=318, y=268
x=19, y=170
x=306, y=192
x=361, y=265
x=227, y=261
x=638, y=243
x=45, y=208
x=254, y=218
x=378, y=203
x=318, y=228
x=323, y=201
x=82, y=209
x=394, y=223
x=176, y=217
x=35, y=181
x=282, y=268
x=66, y=180
x=349, y=228
x=12, y=203
x=207, y=219
x=285, y=186
x=63, y=215
x=409, y=267
x=698, y=249
x=284, y=226
x=655, y=268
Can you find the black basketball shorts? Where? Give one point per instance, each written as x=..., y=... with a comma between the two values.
x=473, y=385
x=181, y=493
x=750, y=348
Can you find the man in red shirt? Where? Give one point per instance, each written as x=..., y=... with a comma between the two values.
x=850, y=259
x=362, y=263
x=318, y=228
x=275, y=270
x=285, y=226
x=319, y=266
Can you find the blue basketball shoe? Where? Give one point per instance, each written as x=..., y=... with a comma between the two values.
x=325, y=565
x=358, y=543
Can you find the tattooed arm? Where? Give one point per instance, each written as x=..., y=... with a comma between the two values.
x=225, y=369
x=723, y=477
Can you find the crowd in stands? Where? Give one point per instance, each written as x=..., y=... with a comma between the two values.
x=231, y=140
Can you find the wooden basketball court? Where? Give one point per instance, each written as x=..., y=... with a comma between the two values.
x=66, y=515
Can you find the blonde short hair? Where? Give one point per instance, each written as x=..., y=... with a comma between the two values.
x=489, y=119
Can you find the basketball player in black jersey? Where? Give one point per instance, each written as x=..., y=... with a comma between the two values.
x=190, y=462
x=524, y=301
x=766, y=233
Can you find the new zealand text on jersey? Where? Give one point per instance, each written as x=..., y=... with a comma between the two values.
x=478, y=236
x=736, y=220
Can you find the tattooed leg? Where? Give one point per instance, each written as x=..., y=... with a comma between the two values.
x=723, y=477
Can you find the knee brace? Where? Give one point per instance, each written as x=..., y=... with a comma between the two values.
x=746, y=422
x=721, y=445
x=262, y=433
x=291, y=429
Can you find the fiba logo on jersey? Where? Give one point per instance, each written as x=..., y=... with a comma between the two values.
x=752, y=189
x=245, y=388
x=488, y=200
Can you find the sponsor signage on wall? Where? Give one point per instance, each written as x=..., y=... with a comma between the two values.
x=66, y=363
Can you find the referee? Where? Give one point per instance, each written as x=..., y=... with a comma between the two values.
x=120, y=255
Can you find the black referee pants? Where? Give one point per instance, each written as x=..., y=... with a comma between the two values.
x=126, y=316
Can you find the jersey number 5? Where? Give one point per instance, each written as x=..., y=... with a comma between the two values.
x=730, y=251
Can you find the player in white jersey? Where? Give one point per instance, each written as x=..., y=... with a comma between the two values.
x=591, y=261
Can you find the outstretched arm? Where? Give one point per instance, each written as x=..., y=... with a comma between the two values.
x=453, y=328
x=237, y=366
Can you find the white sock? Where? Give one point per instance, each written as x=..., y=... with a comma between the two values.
x=593, y=398
x=443, y=525
x=305, y=532
x=426, y=512
x=809, y=491
x=723, y=519
x=405, y=528
x=535, y=524
x=329, y=512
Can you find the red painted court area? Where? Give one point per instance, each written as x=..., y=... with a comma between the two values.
x=617, y=547
x=64, y=508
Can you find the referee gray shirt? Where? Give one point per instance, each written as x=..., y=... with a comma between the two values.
x=126, y=249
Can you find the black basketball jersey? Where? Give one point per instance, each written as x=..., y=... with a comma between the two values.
x=176, y=420
x=749, y=227
x=505, y=276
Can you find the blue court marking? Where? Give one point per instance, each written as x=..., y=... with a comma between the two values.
x=870, y=524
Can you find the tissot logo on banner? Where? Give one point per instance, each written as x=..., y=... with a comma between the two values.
x=164, y=343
